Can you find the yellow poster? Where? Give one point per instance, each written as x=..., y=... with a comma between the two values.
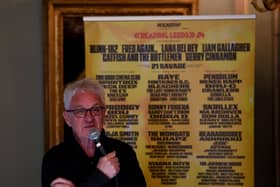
x=180, y=91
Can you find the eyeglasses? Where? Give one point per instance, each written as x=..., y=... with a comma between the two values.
x=81, y=112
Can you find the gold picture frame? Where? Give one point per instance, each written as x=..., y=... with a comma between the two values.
x=63, y=45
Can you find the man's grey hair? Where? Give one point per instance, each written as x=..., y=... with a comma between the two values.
x=87, y=84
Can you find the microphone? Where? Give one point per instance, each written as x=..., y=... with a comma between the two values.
x=94, y=135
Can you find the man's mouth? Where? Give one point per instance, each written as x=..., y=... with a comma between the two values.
x=89, y=127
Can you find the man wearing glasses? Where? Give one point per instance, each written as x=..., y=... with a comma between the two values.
x=78, y=162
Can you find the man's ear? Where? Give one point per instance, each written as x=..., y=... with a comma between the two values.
x=67, y=118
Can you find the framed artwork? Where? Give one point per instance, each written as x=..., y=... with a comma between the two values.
x=64, y=59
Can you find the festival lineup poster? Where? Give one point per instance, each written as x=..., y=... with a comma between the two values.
x=180, y=91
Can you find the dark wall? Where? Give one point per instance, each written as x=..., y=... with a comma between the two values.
x=21, y=95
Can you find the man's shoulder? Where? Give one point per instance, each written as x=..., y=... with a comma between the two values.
x=56, y=150
x=117, y=144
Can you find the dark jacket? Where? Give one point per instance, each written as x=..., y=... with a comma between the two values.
x=68, y=160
